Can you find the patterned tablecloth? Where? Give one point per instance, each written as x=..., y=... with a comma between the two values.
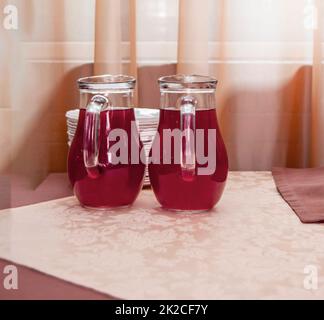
x=250, y=246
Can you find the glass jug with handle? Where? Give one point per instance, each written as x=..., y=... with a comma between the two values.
x=188, y=160
x=99, y=179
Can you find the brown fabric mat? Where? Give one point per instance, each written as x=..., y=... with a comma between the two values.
x=303, y=190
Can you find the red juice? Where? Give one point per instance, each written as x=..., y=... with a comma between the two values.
x=175, y=189
x=109, y=185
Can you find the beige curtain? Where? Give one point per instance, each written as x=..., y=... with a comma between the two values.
x=317, y=105
x=270, y=108
x=193, y=37
x=283, y=126
x=108, y=37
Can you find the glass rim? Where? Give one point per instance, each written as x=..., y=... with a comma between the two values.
x=107, y=82
x=182, y=81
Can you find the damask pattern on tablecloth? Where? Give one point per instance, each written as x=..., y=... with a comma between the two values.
x=250, y=246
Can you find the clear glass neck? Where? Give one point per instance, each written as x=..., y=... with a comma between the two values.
x=200, y=90
x=118, y=89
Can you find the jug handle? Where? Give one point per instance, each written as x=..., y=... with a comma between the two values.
x=188, y=128
x=91, y=142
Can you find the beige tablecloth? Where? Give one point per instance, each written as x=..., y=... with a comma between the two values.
x=251, y=245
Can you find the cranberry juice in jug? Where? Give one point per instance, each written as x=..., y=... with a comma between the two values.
x=179, y=186
x=108, y=185
x=97, y=181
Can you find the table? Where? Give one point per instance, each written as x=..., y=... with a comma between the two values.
x=251, y=245
x=16, y=191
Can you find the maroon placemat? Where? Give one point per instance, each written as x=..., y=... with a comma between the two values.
x=303, y=190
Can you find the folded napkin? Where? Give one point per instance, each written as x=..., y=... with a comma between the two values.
x=303, y=190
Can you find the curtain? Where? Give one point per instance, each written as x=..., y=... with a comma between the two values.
x=317, y=105
x=271, y=109
x=193, y=37
x=266, y=54
x=108, y=37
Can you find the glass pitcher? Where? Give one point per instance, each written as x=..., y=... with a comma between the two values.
x=188, y=160
x=102, y=173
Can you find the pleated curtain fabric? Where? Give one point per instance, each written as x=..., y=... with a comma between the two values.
x=193, y=37
x=317, y=107
x=271, y=114
x=109, y=45
x=108, y=37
